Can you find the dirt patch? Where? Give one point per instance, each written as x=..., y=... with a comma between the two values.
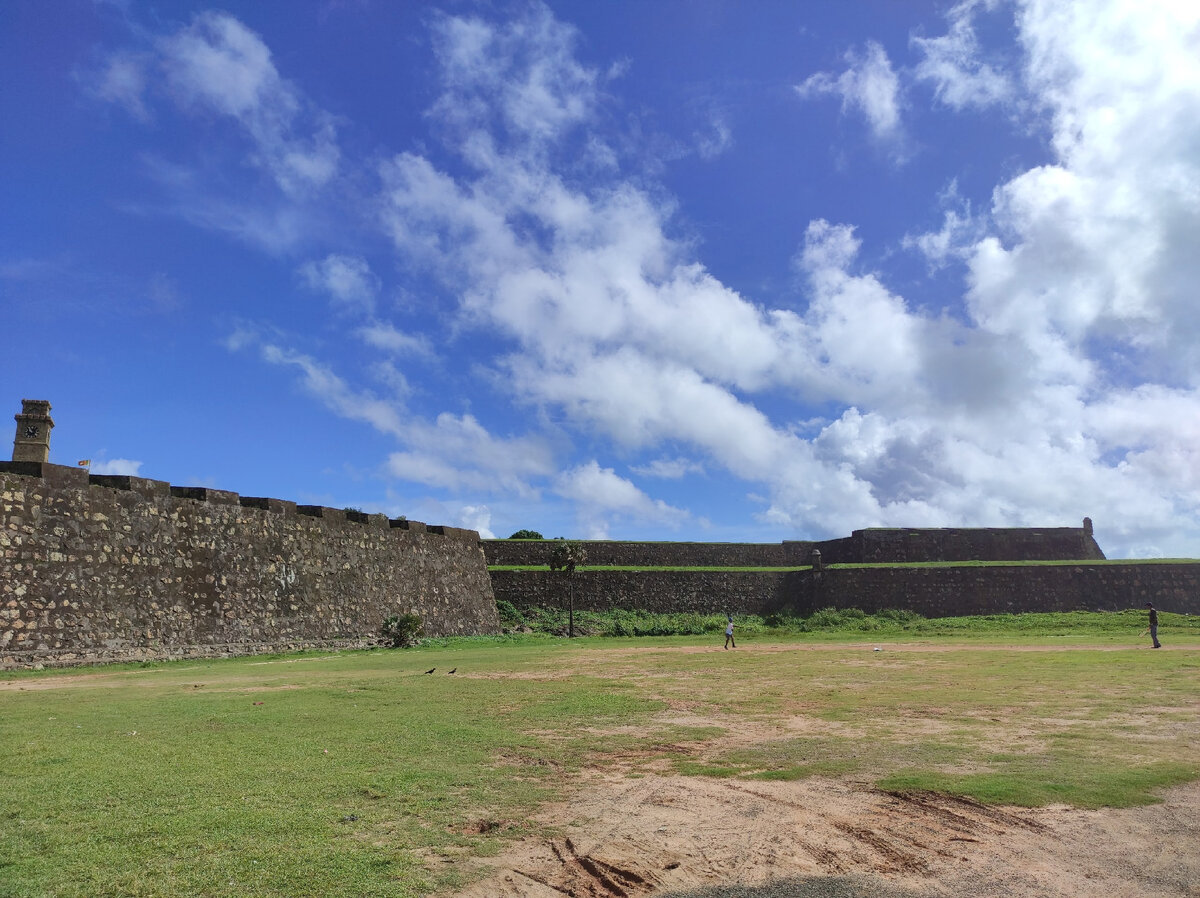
x=634, y=827
x=666, y=834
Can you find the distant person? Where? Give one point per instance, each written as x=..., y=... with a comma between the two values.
x=1153, y=628
x=729, y=634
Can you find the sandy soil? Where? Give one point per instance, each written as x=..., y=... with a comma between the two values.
x=666, y=834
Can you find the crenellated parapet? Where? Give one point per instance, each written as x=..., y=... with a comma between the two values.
x=877, y=545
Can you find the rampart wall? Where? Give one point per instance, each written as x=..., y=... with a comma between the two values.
x=929, y=591
x=872, y=546
x=111, y=568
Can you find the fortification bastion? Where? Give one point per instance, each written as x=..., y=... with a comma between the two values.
x=102, y=568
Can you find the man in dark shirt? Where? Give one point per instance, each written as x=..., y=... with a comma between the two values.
x=1153, y=628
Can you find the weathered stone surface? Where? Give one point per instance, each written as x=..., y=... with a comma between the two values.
x=932, y=591
x=874, y=546
x=136, y=569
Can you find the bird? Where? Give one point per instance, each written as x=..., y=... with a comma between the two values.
x=431, y=670
x=452, y=670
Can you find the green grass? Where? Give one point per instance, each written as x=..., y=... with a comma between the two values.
x=1052, y=780
x=238, y=777
x=845, y=623
x=358, y=774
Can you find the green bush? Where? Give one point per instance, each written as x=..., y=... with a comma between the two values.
x=826, y=619
x=400, y=630
x=510, y=616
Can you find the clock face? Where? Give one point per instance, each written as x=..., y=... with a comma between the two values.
x=31, y=431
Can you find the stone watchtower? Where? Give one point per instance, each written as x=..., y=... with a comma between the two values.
x=32, y=442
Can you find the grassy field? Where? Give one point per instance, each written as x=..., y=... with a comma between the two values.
x=330, y=775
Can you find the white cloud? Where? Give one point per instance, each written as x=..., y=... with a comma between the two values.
x=960, y=230
x=122, y=80
x=870, y=86
x=338, y=396
x=523, y=71
x=275, y=227
x=717, y=140
x=477, y=517
x=669, y=468
x=457, y=451
x=122, y=466
x=601, y=491
x=348, y=279
x=1066, y=383
x=953, y=65
x=387, y=337
x=218, y=65
x=217, y=68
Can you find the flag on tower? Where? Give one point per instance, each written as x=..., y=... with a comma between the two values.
x=85, y=462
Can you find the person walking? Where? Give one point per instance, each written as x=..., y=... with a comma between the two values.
x=729, y=633
x=1153, y=628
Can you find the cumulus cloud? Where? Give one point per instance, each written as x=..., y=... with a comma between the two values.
x=599, y=491
x=523, y=72
x=477, y=517
x=1066, y=382
x=988, y=418
x=869, y=86
x=456, y=452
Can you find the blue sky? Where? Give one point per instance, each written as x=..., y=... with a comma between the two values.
x=640, y=270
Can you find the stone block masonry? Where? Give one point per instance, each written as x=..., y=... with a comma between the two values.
x=935, y=591
x=873, y=546
x=96, y=568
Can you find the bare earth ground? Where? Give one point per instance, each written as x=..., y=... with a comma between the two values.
x=663, y=834
x=669, y=834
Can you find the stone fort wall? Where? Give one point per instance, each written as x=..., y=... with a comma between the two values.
x=873, y=546
x=942, y=591
x=96, y=568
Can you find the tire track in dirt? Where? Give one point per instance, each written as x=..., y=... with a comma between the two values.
x=663, y=834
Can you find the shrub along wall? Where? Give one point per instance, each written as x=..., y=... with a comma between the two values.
x=929, y=591
x=108, y=568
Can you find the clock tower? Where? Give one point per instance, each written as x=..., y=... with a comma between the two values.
x=32, y=442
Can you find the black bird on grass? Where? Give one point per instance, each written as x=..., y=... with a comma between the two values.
x=431, y=670
x=452, y=670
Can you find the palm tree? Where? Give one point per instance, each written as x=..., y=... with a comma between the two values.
x=565, y=556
